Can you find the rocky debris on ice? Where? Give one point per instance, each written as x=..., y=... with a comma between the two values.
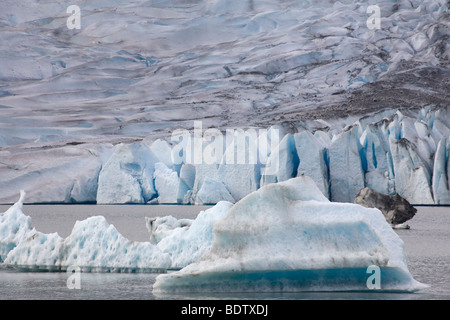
x=395, y=209
x=289, y=237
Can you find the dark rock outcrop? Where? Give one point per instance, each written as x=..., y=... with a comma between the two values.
x=396, y=209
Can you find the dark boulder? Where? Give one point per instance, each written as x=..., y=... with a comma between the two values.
x=396, y=209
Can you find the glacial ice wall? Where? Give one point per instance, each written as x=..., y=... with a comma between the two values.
x=398, y=152
x=404, y=152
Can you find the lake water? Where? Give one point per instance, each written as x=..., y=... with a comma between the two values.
x=427, y=246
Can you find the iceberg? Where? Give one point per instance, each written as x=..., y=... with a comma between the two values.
x=289, y=237
x=94, y=245
x=14, y=226
x=161, y=227
x=190, y=241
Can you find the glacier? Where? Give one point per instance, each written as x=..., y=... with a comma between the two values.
x=136, y=72
x=289, y=237
x=392, y=151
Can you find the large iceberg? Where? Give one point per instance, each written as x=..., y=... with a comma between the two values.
x=289, y=237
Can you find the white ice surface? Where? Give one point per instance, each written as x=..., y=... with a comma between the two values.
x=127, y=177
x=166, y=183
x=187, y=245
x=289, y=227
x=282, y=234
x=93, y=245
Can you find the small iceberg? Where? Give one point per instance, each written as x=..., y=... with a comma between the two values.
x=94, y=245
x=288, y=237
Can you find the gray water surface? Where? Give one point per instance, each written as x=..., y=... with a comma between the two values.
x=427, y=246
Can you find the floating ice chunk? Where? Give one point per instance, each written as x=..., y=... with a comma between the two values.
x=127, y=177
x=166, y=183
x=441, y=186
x=93, y=245
x=211, y=192
x=288, y=237
x=186, y=245
x=38, y=252
x=14, y=226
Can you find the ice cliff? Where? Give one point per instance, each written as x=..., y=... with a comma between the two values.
x=403, y=152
